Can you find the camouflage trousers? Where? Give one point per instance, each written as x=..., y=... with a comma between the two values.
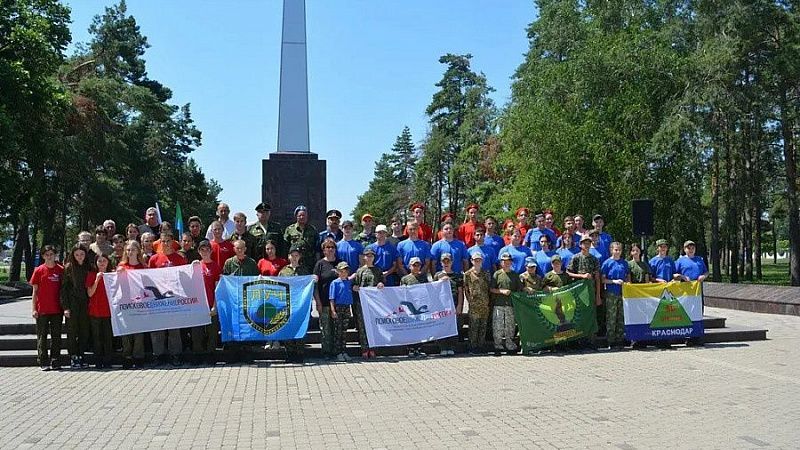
x=204, y=337
x=615, y=322
x=342, y=323
x=326, y=330
x=504, y=325
x=362, y=331
x=477, y=330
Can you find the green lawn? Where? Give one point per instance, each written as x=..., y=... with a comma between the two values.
x=775, y=274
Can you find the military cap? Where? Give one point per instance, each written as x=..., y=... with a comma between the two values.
x=368, y=251
x=263, y=206
x=296, y=248
x=530, y=261
x=342, y=265
x=688, y=243
x=586, y=238
x=598, y=216
x=333, y=213
x=661, y=242
x=300, y=208
x=506, y=256
x=347, y=223
x=447, y=256
x=477, y=255
x=414, y=260
x=204, y=243
x=555, y=258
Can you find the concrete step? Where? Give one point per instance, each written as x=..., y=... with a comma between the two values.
x=734, y=333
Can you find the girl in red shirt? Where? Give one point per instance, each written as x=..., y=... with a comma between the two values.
x=100, y=313
x=132, y=344
x=271, y=264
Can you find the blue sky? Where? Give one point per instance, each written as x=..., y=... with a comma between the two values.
x=373, y=66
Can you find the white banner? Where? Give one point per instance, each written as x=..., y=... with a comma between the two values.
x=408, y=314
x=156, y=299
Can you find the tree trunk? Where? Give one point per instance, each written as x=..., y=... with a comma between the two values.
x=716, y=274
x=787, y=133
x=21, y=248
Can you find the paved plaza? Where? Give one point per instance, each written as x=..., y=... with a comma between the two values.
x=740, y=395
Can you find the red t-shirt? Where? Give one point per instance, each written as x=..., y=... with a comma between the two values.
x=161, y=260
x=466, y=233
x=127, y=266
x=424, y=232
x=211, y=274
x=270, y=268
x=48, y=279
x=221, y=252
x=98, y=303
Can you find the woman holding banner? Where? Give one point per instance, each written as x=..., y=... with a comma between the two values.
x=132, y=344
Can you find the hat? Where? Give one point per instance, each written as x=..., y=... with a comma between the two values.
x=446, y=256
x=472, y=205
x=539, y=216
x=594, y=231
x=598, y=216
x=416, y=205
x=585, y=238
x=520, y=209
x=530, y=261
x=300, y=208
x=342, y=265
x=296, y=248
x=263, y=206
x=368, y=251
x=365, y=216
x=333, y=213
x=445, y=216
x=661, y=242
x=688, y=243
x=347, y=223
x=380, y=228
x=506, y=256
x=555, y=258
x=477, y=255
x=414, y=260
x=204, y=243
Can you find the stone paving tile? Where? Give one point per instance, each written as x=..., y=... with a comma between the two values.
x=739, y=395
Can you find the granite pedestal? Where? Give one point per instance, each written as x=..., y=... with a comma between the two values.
x=294, y=178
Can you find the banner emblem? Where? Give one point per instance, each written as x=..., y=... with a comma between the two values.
x=266, y=305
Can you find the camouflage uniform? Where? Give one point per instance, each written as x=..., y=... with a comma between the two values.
x=249, y=240
x=271, y=232
x=503, y=322
x=190, y=255
x=531, y=282
x=476, y=289
x=581, y=263
x=638, y=270
x=365, y=277
x=366, y=239
x=306, y=240
x=555, y=280
x=456, y=281
x=294, y=347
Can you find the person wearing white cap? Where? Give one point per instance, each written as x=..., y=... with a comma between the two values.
x=504, y=282
x=415, y=277
x=476, y=289
x=386, y=256
x=457, y=290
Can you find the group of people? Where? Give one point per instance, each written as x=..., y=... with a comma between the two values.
x=484, y=263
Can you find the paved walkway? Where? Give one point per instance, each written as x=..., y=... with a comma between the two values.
x=722, y=396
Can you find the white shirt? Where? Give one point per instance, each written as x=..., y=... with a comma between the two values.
x=227, y=230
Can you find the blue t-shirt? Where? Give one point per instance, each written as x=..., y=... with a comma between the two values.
x=409, y=249
x=615, y=269
x=518, y=255
x=543, y=263
x=349, y=251
x=691, y=268
x=533, y=235
x=606, y=239
x=489, y=256
x=601, y=257
x=341, y=292
x=385, y=255
x=662, y=268
x=455, y=247
x=576, y=245
x=495, y=241
x=566, y=255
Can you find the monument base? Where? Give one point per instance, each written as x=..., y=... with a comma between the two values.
x=290, y=179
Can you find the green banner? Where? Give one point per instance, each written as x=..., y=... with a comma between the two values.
x=549, y=318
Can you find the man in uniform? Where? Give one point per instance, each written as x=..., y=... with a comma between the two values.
x=466, y=231
x=503, y=283
x=333, y=230
x=476, y=289
x=584, y=266
x=303, y=236
x=240, y=233
x=265, y=230
x=367, y=235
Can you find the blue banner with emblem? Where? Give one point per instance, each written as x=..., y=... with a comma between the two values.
x=264, y=308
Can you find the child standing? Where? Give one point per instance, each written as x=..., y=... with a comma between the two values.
x=615, y=271
x=504, y=282
x=415, y=277
x=75, y=303
x=46, y=281
x=100, y=313
x=457, y=288
x=556, y=278
x=476, y=288
x=340, y=295
x=367, y=275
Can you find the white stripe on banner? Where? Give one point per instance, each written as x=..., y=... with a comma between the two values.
x=408, y=314
x=642, y=310
x=157, y=299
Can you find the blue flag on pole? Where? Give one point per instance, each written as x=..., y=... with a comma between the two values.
x=264, y=308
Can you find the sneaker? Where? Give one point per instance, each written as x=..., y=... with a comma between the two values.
x=443, y=353
x=44, y=368
x=421, y=354
x=451, y=352
x=127, y=364
x=175, y=361
x=341, y=357
x=74, y=363
x=412, y=353
x=347, y=357
x=54, y=365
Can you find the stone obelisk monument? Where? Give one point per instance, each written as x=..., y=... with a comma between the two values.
x=294, y=175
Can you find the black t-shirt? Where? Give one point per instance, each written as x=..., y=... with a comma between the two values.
x=145, y=228
x=326, y=271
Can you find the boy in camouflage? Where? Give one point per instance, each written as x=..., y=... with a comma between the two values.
x=295, y=347
x=340, y=295
x=457, y=290
x=367, y=275
x=531, y=282
x=556, y=278
x=415, y=277
x=504, y=282
x=476, y=288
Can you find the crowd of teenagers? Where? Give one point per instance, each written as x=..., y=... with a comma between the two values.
x=484, y=260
